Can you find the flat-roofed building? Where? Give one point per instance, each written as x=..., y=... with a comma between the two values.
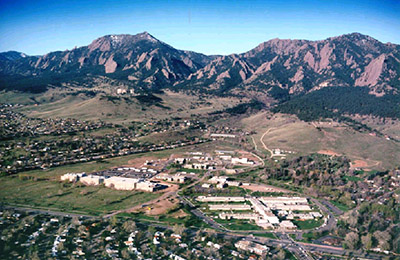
x=92, y=180
x=286, y=203
x=288, y=225
x=316, y=214
x=229, y=207
x=220, y=199
x=223, y=135
x=198, y=166
x=285, y=200
x=252, y=247
x=264, y=211
x=234, y=183
x=224, y=152
x=172, y=177
x=149, y=186
x=121, y=183
x=226, y=157
x=249, y=216
x=206, y=185
x=291, y=207
x=218, y=179
x=72, y=177
x=272, y=218
x=244, y=160
x=264, y=223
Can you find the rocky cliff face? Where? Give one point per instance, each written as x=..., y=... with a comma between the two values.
x=139, y=58
x=301, y=66
x=294, y=66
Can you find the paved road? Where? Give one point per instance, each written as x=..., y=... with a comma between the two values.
x=295, y=247
x=49, y=212
x=331, y=207
x=331, y=221
x=312, y=247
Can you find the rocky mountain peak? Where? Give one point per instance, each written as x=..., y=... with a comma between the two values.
x=294, y=66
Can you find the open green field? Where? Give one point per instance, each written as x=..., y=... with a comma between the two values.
x=53, y=195
x=289, y=133
x=339, y=205
x=236, y=224
x=42, y=188
x=308, y=224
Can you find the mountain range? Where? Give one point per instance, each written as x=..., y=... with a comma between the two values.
x=276, y=67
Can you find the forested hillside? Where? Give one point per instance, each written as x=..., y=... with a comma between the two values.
x=332, y=102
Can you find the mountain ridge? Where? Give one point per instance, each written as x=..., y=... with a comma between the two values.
x=294, y=66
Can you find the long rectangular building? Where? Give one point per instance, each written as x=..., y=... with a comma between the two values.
x=220, y=199
x=249, y=216
x=284, y=200
x=121, y=183
x=229, y=207
x=286, y=203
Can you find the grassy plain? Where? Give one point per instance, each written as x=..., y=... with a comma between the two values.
x=65, y=103
x=53, y=195
x=42, y=188
x=288, y=133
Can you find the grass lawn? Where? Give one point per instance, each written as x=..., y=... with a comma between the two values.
x=308, y=224
x=339, y=205
x=41, y=189
x=309, y=237
x=238, y=224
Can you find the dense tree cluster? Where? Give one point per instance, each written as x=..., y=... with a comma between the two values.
x=334, y=102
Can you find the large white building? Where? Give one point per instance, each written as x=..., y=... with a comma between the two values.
x=121, y=183
x=252, y=247
x=244, y=160
x=286, y=203
x=92, y=180
x=229, y=207
x=264, y=211
x=218, y=179
x=249, y=216
x=220, y=199
x=172, y=177
x=223, y=135
x=72, y=177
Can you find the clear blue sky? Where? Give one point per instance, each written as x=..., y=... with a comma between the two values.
x=211, y=27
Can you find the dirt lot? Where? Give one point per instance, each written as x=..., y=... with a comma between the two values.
x=162, y=204
x=358, y=164
x=140, y=161
x=263, y=188
x=328, y=152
